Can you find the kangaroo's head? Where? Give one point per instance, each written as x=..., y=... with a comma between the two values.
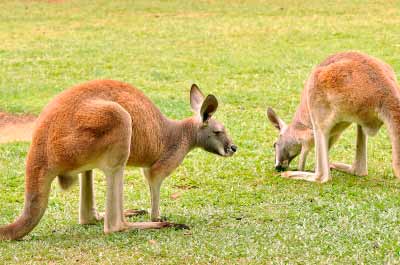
x=211, y=134
x=287, y=147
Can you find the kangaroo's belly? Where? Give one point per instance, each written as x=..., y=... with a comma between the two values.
x=371, y=128
x=369, y=121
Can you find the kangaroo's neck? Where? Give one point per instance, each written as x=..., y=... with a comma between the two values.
x=177, y=139
x=179, y=135
x=302, y=119
x=302, y=115
x=301, y=123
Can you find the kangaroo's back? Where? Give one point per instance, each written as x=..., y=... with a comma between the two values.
x=63, y=117
x=122, y=93
x=355, y=78
x=354, y=87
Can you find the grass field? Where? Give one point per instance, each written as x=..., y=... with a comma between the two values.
x=250, y=54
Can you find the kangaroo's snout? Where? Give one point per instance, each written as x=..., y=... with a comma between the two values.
x=230, y=150
x=233, y=148
x=282, y=166
x=279, y=168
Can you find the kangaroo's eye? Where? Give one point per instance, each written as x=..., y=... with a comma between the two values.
x=217, y=132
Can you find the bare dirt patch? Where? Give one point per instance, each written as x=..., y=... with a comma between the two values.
x=16, y=127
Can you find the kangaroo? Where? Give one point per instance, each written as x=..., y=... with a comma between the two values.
x=345, y=88
x=108, y=124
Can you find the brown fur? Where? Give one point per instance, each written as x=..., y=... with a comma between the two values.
x=345, y=88
x=104, y=124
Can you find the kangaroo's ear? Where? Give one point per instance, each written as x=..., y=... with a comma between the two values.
x=196, y=98
x=208, y=108
x=275, y=120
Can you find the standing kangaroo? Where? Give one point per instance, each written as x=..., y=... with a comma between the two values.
x=347, y=87
x=108, y=124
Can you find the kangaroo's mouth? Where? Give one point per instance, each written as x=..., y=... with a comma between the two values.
x=280, y=168
x=229, y=150
x=283, y=166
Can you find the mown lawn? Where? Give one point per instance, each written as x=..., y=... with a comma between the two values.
x=250, y=54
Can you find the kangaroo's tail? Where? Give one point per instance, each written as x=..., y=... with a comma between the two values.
x=37, y=188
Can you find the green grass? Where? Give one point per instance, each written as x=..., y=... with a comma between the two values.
x=250, y=54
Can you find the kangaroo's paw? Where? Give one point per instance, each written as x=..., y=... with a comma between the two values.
x=179, y=226
x=125, y=226
x=92, y=219
x=156, y=225
x=159, y=219
x=349, y=169
x=127, y=213
x=131, y=213
x=342, y=167
x=308, y=176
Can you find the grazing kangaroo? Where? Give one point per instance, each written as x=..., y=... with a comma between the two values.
x=108, y=124
x=345, y=88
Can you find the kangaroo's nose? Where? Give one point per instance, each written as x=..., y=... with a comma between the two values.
x=279, y=168
x=233, y=148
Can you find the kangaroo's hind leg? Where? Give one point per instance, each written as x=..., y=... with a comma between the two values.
x=359, y=166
